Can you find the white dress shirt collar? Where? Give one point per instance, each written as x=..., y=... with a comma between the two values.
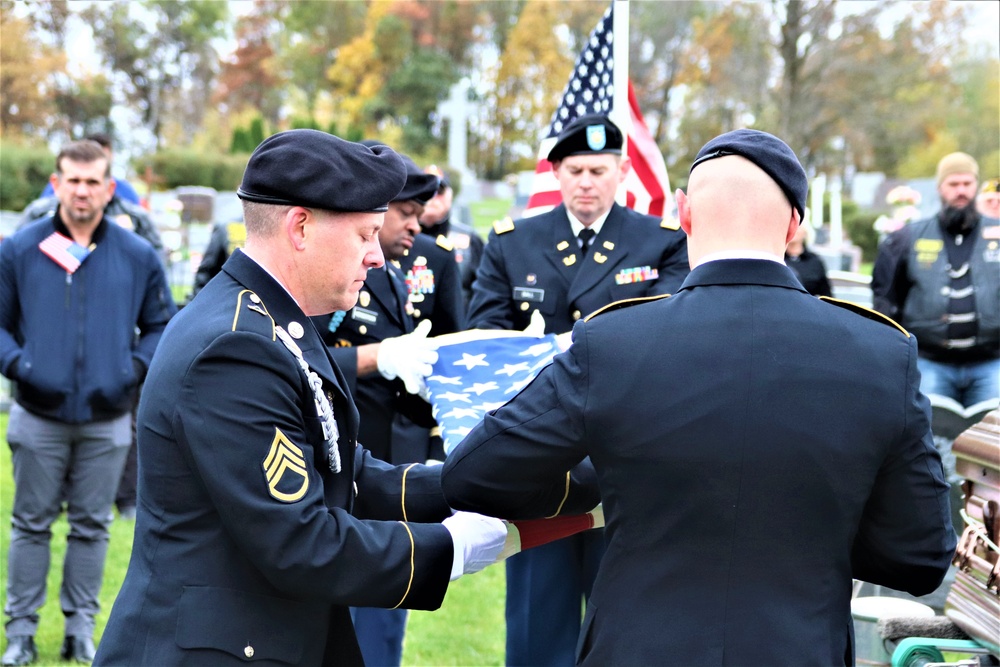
x=577, y=226
x=740, y=254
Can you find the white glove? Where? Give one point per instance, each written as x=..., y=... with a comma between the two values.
x=478, y=541
x=536, y=326
x=409, y=357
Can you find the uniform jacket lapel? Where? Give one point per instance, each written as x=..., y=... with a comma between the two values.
x=592, y=270
x=379, y=284
x=561, y=245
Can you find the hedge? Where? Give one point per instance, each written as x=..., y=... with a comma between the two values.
x=179, y=167
x=24, y=171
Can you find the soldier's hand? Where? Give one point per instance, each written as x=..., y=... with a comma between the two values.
x=409, y=357
x=536, y=326
x=478, y=541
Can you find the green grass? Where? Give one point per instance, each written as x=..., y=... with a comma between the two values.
x=467, y=630
x=485, y=211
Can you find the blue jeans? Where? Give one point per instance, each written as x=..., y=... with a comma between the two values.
x=968, y=384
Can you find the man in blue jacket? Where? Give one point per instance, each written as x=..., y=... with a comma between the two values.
x=74, y=289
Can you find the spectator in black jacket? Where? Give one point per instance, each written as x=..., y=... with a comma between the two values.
x=807, y=265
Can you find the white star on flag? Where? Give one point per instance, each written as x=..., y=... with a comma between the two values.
x=510, y=369
x=518, y=386
x=481, y=353
x=470, y=361
x=458, y=413
x=446, y=380
x=453, y=397
x=538, y=350
x=481, y=388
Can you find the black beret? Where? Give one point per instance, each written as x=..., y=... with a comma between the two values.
x=420, y=185
x=593, y=133
x=318, y=170
x=767, y=152
x=441, y=174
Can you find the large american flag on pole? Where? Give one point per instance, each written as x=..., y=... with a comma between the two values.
x=591, y=90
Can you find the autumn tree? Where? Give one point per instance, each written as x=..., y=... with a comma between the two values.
x=362, y=65
x=28, y=78
x=84, y=106
x=162, y=56
x=660, y=36
x=726, y=68
x=249, y=76
x=313, y=31
x=533, y=70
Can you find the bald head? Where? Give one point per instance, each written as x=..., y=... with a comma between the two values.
x=732, y=204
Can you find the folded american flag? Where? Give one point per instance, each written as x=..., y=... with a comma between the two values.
x=63, y=251
x=478, y=371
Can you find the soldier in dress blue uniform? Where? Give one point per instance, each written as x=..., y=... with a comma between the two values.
x=261, y=519
x=582, y=255
x=435, y=292
x=433, y=282
x=439, y=219
x=382, y=325
x=756, y=447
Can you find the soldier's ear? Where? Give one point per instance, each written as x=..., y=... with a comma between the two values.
x=624, y=164
x=683, y=210
x=295, y=225
x=793, y=226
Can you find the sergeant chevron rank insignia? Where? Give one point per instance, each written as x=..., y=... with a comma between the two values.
x=285, y=470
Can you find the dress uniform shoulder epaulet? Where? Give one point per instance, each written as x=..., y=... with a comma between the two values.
x=673, y=224
x=503, y=226
x=252, y=315
x=624, y=303
x=444, y=242
x=868, y=313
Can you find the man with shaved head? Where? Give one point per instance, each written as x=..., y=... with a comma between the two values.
x=756, y=447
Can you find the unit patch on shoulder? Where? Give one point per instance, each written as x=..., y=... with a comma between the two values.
x=285, y=470
x=624, y=303
x=503, y=226
x=868, y=313
x=444, y=242
x=670, y=223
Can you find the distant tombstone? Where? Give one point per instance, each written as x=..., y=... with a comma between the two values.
x=199, y=203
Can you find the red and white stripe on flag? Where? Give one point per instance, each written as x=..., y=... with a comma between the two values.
x=590, y=90
x=63, y=251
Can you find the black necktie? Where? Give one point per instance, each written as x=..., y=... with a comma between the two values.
x=399, y=290
x=586, y=235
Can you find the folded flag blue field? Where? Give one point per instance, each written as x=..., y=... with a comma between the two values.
x=478, y=371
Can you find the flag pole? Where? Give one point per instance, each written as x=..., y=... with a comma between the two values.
x=619, y=107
